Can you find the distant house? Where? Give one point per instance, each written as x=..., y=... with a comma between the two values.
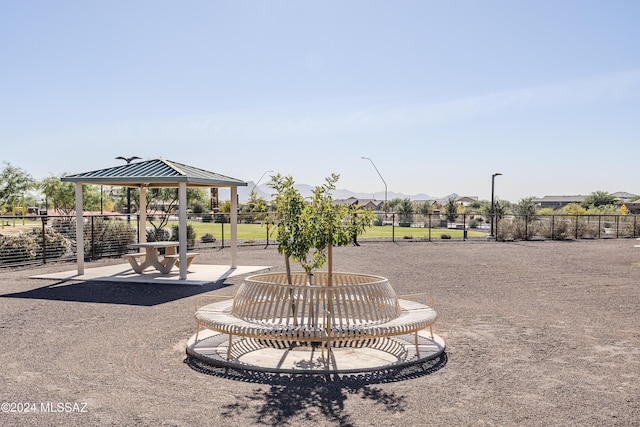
x=466, y=200
x=351, y=201
x=633, y=208
x=624, y=197
x=371, y=204
x=557, y=202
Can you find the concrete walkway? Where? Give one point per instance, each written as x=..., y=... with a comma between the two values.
x=198, y=274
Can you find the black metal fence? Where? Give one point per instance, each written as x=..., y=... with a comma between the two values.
x=42, y=239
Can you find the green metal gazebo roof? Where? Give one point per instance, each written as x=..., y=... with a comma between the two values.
x=154, y=173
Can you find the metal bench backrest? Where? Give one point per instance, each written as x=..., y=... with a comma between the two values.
x=353, y=300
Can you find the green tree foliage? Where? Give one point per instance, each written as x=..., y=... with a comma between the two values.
x=394, y=203
x=500, y=208
x=191, y=235
x=255, y=203
x=289, y=205
x=450, y=209
x=164, y=200
x=14, y=183
x=62, y=196
x=424, y=208
x=307, y=230
x=406, y=210
x=525, y=208
x=574, y=209
x=597, y=199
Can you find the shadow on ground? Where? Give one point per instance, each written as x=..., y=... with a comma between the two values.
x=115, y=293
x=317, y=398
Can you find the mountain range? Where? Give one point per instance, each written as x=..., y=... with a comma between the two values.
x=267, y=192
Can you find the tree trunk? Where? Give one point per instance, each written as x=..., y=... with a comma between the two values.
x=288, y=267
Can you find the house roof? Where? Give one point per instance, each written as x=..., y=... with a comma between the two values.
x=154, y=173
x=624, y=195
x=560, y=199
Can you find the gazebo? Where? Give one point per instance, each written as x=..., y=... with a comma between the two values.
x=158, y=173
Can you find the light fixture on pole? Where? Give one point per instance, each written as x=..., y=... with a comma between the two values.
x=493, y=213
x=385, y=183
x=128, y=160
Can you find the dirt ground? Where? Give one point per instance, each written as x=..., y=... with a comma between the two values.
x=537, y=333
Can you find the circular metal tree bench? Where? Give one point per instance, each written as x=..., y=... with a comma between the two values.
x=354, y=308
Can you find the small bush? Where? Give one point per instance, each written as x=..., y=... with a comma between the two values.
x=110, y=238
x=191, y=235
x=198, y=208
x=26, y=247
x=445, y=236
x=19, y=248
x=208, y=238
x=56, y=245
x=562, y=230
x=158, y=235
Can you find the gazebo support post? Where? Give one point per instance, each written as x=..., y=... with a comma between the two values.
x=234, y=227
x=182, y=218
x=142, y=214
x=79, y=230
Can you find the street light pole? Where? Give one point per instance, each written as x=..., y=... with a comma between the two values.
x=128, y=160
x=385, y=183
x=254, y=185
x=493, y=178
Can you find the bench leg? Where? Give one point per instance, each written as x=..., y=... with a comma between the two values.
x=416, y=343
x=137, y=267
x=230, y=346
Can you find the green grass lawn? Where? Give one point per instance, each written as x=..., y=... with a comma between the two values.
x=259, y=231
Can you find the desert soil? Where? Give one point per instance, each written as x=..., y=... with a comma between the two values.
x=537, y=334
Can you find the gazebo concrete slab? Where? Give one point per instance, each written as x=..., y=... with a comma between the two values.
x=198, y=274
x=349, y=358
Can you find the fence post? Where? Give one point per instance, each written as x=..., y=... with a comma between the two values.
x=464, y=227
x=93, y=241
x=617, y=226
x=599, y=220
x=393, y=227
x=429, y=227
x=267, y=236
x=222, y=234
x=44, y=241
x=526, y=227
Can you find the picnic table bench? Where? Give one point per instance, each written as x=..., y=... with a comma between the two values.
x=151, y=256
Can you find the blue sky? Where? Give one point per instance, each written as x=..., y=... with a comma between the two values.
x=438, y=94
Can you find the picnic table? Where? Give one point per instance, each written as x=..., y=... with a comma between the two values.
x=151, y=256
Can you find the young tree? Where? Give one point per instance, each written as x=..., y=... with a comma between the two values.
x=307, y=231
x=255, y=203
x=499, y=208
x=14, y=183
x=525, y=208
x=394, y=203
x=289, y=205
x=405, y=209
x=450, y=209
x=62, y=195
x=597, y=199
x=425, y=210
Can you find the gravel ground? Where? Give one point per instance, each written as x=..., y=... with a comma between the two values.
x=537, y=333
